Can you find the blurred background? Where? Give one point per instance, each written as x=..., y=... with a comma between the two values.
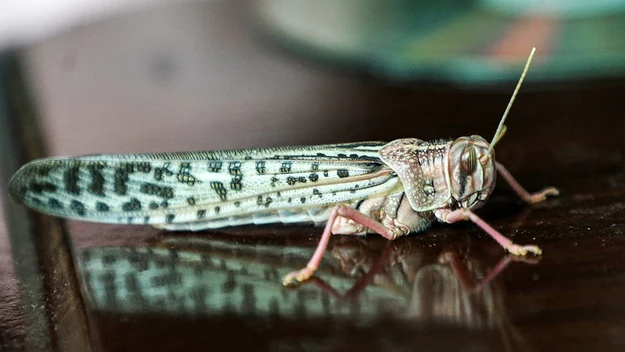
x=131, y=76
x=273, y=72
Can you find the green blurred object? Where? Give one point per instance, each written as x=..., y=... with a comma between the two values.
x=463, y=42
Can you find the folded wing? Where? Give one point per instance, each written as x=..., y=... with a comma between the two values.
x=186, y=187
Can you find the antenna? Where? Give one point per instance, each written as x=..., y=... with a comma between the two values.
x=501, y=129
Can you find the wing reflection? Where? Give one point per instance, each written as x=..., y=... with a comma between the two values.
x=364, y=280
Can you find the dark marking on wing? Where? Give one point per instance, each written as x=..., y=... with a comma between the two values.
x=219, y=188
x=235, y=183
x=291, y=180
x=286, y=167
x=144, y=167
x=78, y=207
x=184, y=175
x=97, y=179
x=160, y=172
x=99, y=206
x=121, y=178
x=234, y=168
x=157, y=190
x=37, y=187
x=170, y=218
x=260, y=167
x=70, y=177
x=55, y=204
x=133, y=205
x=43, y=170
x=214, y=166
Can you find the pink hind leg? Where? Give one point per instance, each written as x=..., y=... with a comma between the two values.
x=347, y=212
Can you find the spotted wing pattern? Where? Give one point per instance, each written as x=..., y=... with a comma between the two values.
x=172, y=188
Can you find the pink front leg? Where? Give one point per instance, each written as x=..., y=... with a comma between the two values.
x=521, y=192
x=450, y=216
x=346, y=212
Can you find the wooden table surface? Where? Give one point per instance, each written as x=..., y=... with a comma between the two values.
x=195, y=77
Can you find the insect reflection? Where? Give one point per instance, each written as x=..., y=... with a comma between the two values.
x=201, y=276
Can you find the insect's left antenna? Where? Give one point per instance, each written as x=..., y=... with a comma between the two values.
x=501, y=129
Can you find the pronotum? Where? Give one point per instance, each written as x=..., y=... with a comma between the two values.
x=356, y=188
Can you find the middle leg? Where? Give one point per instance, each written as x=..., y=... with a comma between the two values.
x=390, y=233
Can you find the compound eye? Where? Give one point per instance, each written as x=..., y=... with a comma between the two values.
x=468, y=161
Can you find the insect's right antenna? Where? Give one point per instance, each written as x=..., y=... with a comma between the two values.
x=501, y=129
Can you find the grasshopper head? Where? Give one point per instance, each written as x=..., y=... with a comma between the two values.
x=472, y=171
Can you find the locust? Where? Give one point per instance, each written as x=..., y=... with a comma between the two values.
x=391, y=189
